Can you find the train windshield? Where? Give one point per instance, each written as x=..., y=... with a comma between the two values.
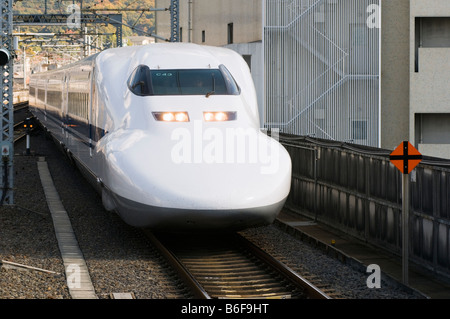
x=146, y=82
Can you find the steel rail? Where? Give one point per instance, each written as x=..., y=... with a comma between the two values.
x=198, y=291
x=237, y=269
x=312, y=291
x=18, y=124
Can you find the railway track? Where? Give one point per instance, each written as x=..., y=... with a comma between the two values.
x=229, y=266
x=21, y=113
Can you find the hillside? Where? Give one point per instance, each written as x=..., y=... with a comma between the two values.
x=142, y=22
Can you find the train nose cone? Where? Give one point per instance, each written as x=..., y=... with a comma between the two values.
x=213, y=176
x=225, y=175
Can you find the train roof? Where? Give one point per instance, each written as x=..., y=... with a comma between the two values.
x=86, y=61
x=161, y=56
x=173, y=55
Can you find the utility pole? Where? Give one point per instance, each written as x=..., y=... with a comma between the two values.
x=190, y=14
x=7, y=108
x=24, y=69
x=174, y=20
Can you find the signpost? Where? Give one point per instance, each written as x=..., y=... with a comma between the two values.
x=405, y=157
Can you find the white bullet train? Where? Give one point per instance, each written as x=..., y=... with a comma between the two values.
x=169, y=135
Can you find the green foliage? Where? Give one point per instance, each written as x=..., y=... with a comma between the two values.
x=142, y=22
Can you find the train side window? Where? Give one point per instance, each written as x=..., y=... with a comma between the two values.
x=140, y=81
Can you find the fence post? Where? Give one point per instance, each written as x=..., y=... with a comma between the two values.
x=405, y=227
x=367, y=202
x=316, y=155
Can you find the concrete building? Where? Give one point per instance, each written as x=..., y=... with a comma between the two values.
x=214, y=22
x=235, y=24
x=394, y=108
x=373, y=72
x=140, y=40
x=429, y=117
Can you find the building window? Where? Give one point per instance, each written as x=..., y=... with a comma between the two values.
x=230, y=33
x=360, y=50
x=359, y=130
x=203, y=36
x=432, y=128
x=431, y=32
x=181, y=34
x=248, y=59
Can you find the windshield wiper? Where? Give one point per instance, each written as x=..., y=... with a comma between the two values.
x=213, y=87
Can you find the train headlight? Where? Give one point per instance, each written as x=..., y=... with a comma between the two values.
x=168, y=117
x=208, y=116
x=171, y=116
x=181, y=117
x=219, y=116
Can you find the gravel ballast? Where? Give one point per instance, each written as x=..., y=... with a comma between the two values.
x=119, y=258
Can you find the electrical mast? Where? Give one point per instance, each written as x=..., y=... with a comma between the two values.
x=7, y=120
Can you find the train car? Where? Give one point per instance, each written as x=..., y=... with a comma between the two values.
x=168, y=134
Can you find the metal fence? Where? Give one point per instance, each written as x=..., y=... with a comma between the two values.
x=322, y=69
x=356, y=189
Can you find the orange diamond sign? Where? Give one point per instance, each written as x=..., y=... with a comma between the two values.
x=405, y=157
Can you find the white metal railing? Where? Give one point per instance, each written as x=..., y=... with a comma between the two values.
x=286, y=16
x=322, y=69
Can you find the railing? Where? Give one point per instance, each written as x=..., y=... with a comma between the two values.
x=317, y=71
x=357, y=190
x=285, y=16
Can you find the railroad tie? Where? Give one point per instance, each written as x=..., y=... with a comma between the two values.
x=77, y=274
